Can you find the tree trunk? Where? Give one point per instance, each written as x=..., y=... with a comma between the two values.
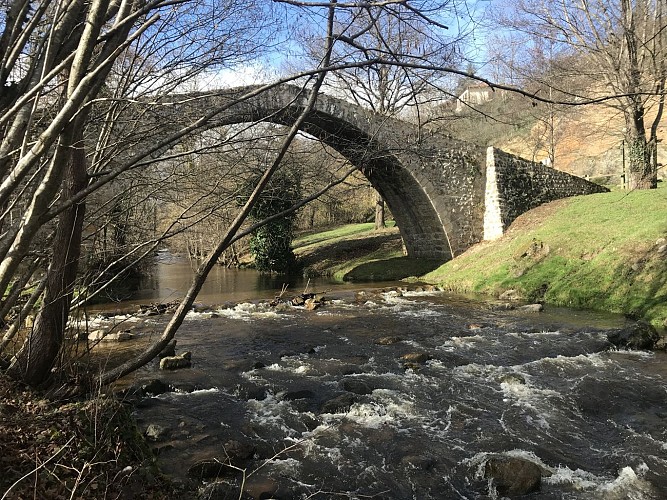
x=642, y=172
x=33, y=363
x=379, y=212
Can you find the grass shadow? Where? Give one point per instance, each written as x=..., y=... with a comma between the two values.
x=393, y=269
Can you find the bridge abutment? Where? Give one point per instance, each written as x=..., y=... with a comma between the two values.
x=515, y=185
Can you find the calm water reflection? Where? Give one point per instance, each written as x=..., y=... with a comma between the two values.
x=172, y=276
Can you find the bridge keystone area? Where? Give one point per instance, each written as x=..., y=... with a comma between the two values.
x=445, y=194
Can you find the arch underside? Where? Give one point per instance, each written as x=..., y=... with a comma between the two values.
x=422, y=230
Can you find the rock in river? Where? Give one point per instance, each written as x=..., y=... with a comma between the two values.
x=531, y=308
x=102, y=335
x=416, y=357
x=175, y=362
x=208, y=469
x=640, y=335
x=340, y=403
x=237, y=450
x=388, y=340
x=513, y=475
x=156, y=431
x=356, y=386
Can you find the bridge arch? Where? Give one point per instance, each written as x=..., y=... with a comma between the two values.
x=391, y=154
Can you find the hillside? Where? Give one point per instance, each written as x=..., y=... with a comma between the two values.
x=606, y=251
x=587, y=139
x=588, y=142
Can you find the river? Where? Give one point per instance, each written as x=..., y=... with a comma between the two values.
x=330, y=404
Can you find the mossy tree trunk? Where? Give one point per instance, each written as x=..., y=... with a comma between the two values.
x=641, y=171
x=380, y=222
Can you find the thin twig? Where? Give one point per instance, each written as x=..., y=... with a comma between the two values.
x=37, y=468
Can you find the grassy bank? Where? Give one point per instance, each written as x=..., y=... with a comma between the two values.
x=357, y=252
x=604, y=252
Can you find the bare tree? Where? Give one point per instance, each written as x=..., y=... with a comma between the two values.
x=389, y=34
x=622, y=47
x=58, y=60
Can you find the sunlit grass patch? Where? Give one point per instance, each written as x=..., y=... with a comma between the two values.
x=603, y=251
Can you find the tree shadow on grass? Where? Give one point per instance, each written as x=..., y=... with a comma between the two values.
x=647, y=275
x=392, y=269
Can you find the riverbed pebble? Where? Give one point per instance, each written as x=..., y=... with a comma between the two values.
x=388, y=340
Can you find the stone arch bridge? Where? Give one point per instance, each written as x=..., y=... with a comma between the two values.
x=445, y=194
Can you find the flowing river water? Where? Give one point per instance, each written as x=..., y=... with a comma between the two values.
x=325, y=403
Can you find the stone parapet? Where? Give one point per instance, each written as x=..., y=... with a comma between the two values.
x=446, y=195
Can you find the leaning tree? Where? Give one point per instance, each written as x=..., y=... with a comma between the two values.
x=69, y=71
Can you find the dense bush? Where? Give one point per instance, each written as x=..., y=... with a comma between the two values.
x=270, y=245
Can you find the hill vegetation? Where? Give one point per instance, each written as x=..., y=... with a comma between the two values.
x=587, y=140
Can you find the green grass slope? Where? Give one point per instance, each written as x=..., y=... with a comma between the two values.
x=605, y=251
x=356, y=252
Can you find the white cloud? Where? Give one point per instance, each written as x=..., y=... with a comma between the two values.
x=248, y=74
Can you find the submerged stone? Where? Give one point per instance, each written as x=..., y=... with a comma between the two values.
x=513, y=475
x=640, y=335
